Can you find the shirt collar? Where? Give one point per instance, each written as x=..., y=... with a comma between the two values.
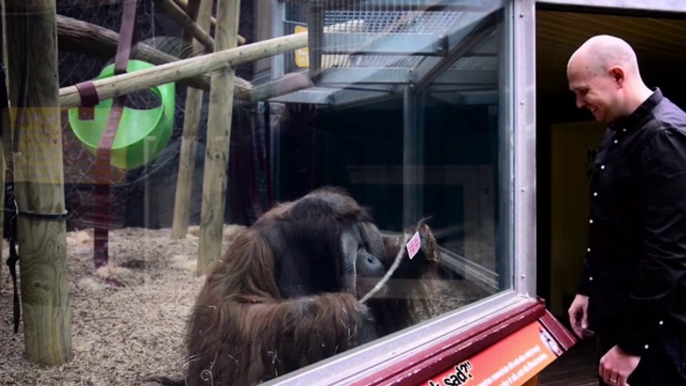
x=636, y=117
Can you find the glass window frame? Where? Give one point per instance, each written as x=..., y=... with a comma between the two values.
x=376, y=357
x=517, y=99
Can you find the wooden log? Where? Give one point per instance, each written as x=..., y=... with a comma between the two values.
x=183, y=4
x=200, y=11
x=178, y=14
x=218, y=140
x=31, y=48
x=78, y=36
x=187, y=68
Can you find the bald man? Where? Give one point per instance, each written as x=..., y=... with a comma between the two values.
x=632, y=292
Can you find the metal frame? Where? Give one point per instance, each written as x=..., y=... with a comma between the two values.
x=465, y=39
x=423, y=4
x=470, y=34
x=359, y=76
x=383, y=44
x=327, y=96
x=278, y=61
x=467, y=78
x=344, y=77
x=277, y=72
x=671, y=6
x=525, y=146
x=355, y=364
x=413, y=154
x=506, y=129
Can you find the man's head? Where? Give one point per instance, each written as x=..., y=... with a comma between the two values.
x=604, y=75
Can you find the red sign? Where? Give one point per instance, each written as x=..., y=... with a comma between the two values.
x=510, y=362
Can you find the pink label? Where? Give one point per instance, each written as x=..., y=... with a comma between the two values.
x=413, y=245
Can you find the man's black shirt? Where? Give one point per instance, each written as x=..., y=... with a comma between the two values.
x=635, y=263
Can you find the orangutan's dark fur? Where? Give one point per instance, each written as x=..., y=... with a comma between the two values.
x=252, y=322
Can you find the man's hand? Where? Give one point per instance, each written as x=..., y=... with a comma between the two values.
x=578, y=316
x=616, y=366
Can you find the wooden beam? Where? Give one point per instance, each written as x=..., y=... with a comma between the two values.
x=218, y=141
x=188, y=24
x=187, y=68
x=31, y=49
x=90, y=39
x=184, y=5
x=200, y=11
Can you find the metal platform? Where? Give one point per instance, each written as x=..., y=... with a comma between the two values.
x=454, y=46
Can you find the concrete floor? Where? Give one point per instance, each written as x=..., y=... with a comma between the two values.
x=576, y=367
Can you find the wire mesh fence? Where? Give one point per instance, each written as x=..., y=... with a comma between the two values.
x=141, y=197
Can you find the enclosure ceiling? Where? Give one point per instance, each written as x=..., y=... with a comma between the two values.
x=402, y=47
x=660, y=46
x=659, y=43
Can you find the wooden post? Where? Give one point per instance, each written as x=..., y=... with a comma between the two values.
x=187, y=23
x=183, y=4
x=5, y=148
x=31, y=49
x=200, y=11
x=5, y=163
x=218, y=140
x=3, y=166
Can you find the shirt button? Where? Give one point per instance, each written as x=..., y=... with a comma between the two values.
x=588, y=249
x=646, y=347
x=590, y=221
x=590, y=278
x=661, y=323
x=595, y=193
x=624, y=130
x=602, y=166
x=616, y=141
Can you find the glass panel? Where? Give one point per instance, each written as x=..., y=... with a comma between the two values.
x=245, y=222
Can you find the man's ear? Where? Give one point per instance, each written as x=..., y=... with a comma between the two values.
x=617, y=74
